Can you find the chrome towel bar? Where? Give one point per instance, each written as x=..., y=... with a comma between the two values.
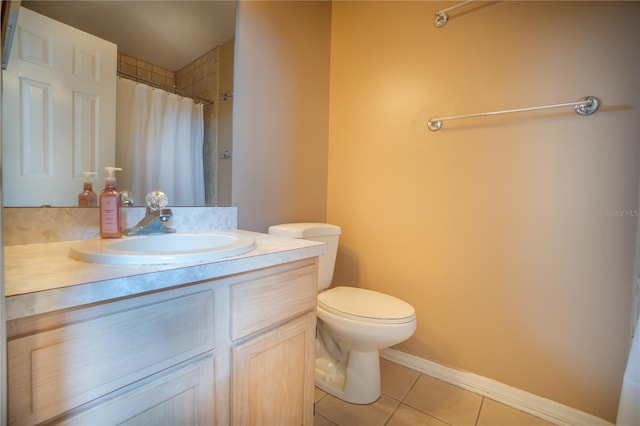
x=442, y=17
x=585, y=106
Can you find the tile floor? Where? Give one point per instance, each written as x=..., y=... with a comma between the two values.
x=410, y=398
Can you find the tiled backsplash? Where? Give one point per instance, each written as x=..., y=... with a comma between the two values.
x=25, y=225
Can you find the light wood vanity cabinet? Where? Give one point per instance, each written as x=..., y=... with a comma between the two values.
x=232, y=350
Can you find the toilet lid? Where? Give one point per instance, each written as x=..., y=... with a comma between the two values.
x=365, y=304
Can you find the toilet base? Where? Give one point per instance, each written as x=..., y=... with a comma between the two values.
x=356, y=381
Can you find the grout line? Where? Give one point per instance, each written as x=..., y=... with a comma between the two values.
x=543, y=408
x=411, y=385
x=427, y=413
x=403, y=396
x=410, y=389
x=320, y=415
x=479, y=411
x=388, y=419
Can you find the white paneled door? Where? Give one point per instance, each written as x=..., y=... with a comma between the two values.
x=59, y=104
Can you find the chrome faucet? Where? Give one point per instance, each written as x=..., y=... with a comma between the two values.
x=155, y=218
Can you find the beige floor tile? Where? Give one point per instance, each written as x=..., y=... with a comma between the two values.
x=318, y=420
x=396, y=379
x=496, y=414
x=344, y=414
x=408, y=416
x=449, y=403
x=318, y=394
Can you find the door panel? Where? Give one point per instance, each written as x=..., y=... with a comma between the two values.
x=59, y=111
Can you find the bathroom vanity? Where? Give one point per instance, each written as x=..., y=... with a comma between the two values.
x=230, y=341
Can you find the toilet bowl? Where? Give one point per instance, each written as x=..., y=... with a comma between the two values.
x=353, y=324
x=359, y=322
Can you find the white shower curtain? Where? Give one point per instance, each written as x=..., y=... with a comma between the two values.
x=159, y=141
x=629, y=407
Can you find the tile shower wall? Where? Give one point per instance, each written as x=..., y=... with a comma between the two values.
x=146, y=70
x=201, y=79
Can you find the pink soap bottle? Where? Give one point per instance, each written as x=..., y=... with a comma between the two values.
x=87, y=198
x=110, y=207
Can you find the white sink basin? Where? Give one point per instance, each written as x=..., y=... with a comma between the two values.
x=162, y=248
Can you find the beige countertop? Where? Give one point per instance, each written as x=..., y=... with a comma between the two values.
x=43, y=278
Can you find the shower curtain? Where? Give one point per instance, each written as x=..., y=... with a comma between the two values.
x=629, y=408
x=159, y=142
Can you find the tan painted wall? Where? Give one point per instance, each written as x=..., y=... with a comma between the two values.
x=512, y=236
x=280, y=115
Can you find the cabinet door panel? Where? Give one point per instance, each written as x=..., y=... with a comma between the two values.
x=56, y=370
x=60, y=93
x=263, y=302
x=180, y=396
x=273, y=376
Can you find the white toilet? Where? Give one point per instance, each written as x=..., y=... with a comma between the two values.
x=353, y=324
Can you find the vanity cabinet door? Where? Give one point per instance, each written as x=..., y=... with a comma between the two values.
x=273, y=376
x=239, y=350
x=179, y=396
x=80, y=355
x=261, y=302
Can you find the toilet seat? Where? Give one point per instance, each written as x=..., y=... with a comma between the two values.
x=366, y=305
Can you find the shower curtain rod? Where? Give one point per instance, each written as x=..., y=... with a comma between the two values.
x=442, y=17
x=164, y=87
x=585, y=106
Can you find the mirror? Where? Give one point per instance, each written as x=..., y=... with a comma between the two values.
x=9, y=17
x=170, y=35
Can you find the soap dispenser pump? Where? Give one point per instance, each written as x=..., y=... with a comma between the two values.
x=110, y=207
x=87, y=198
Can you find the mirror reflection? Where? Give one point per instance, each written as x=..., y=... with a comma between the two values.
x=180, y=47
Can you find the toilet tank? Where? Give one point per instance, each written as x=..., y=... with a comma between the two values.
x=322, y=232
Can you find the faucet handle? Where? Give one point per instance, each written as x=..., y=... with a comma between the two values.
x=156, y=200
x=127, y=198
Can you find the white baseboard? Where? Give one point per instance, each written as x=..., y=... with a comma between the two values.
x=538, y=406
